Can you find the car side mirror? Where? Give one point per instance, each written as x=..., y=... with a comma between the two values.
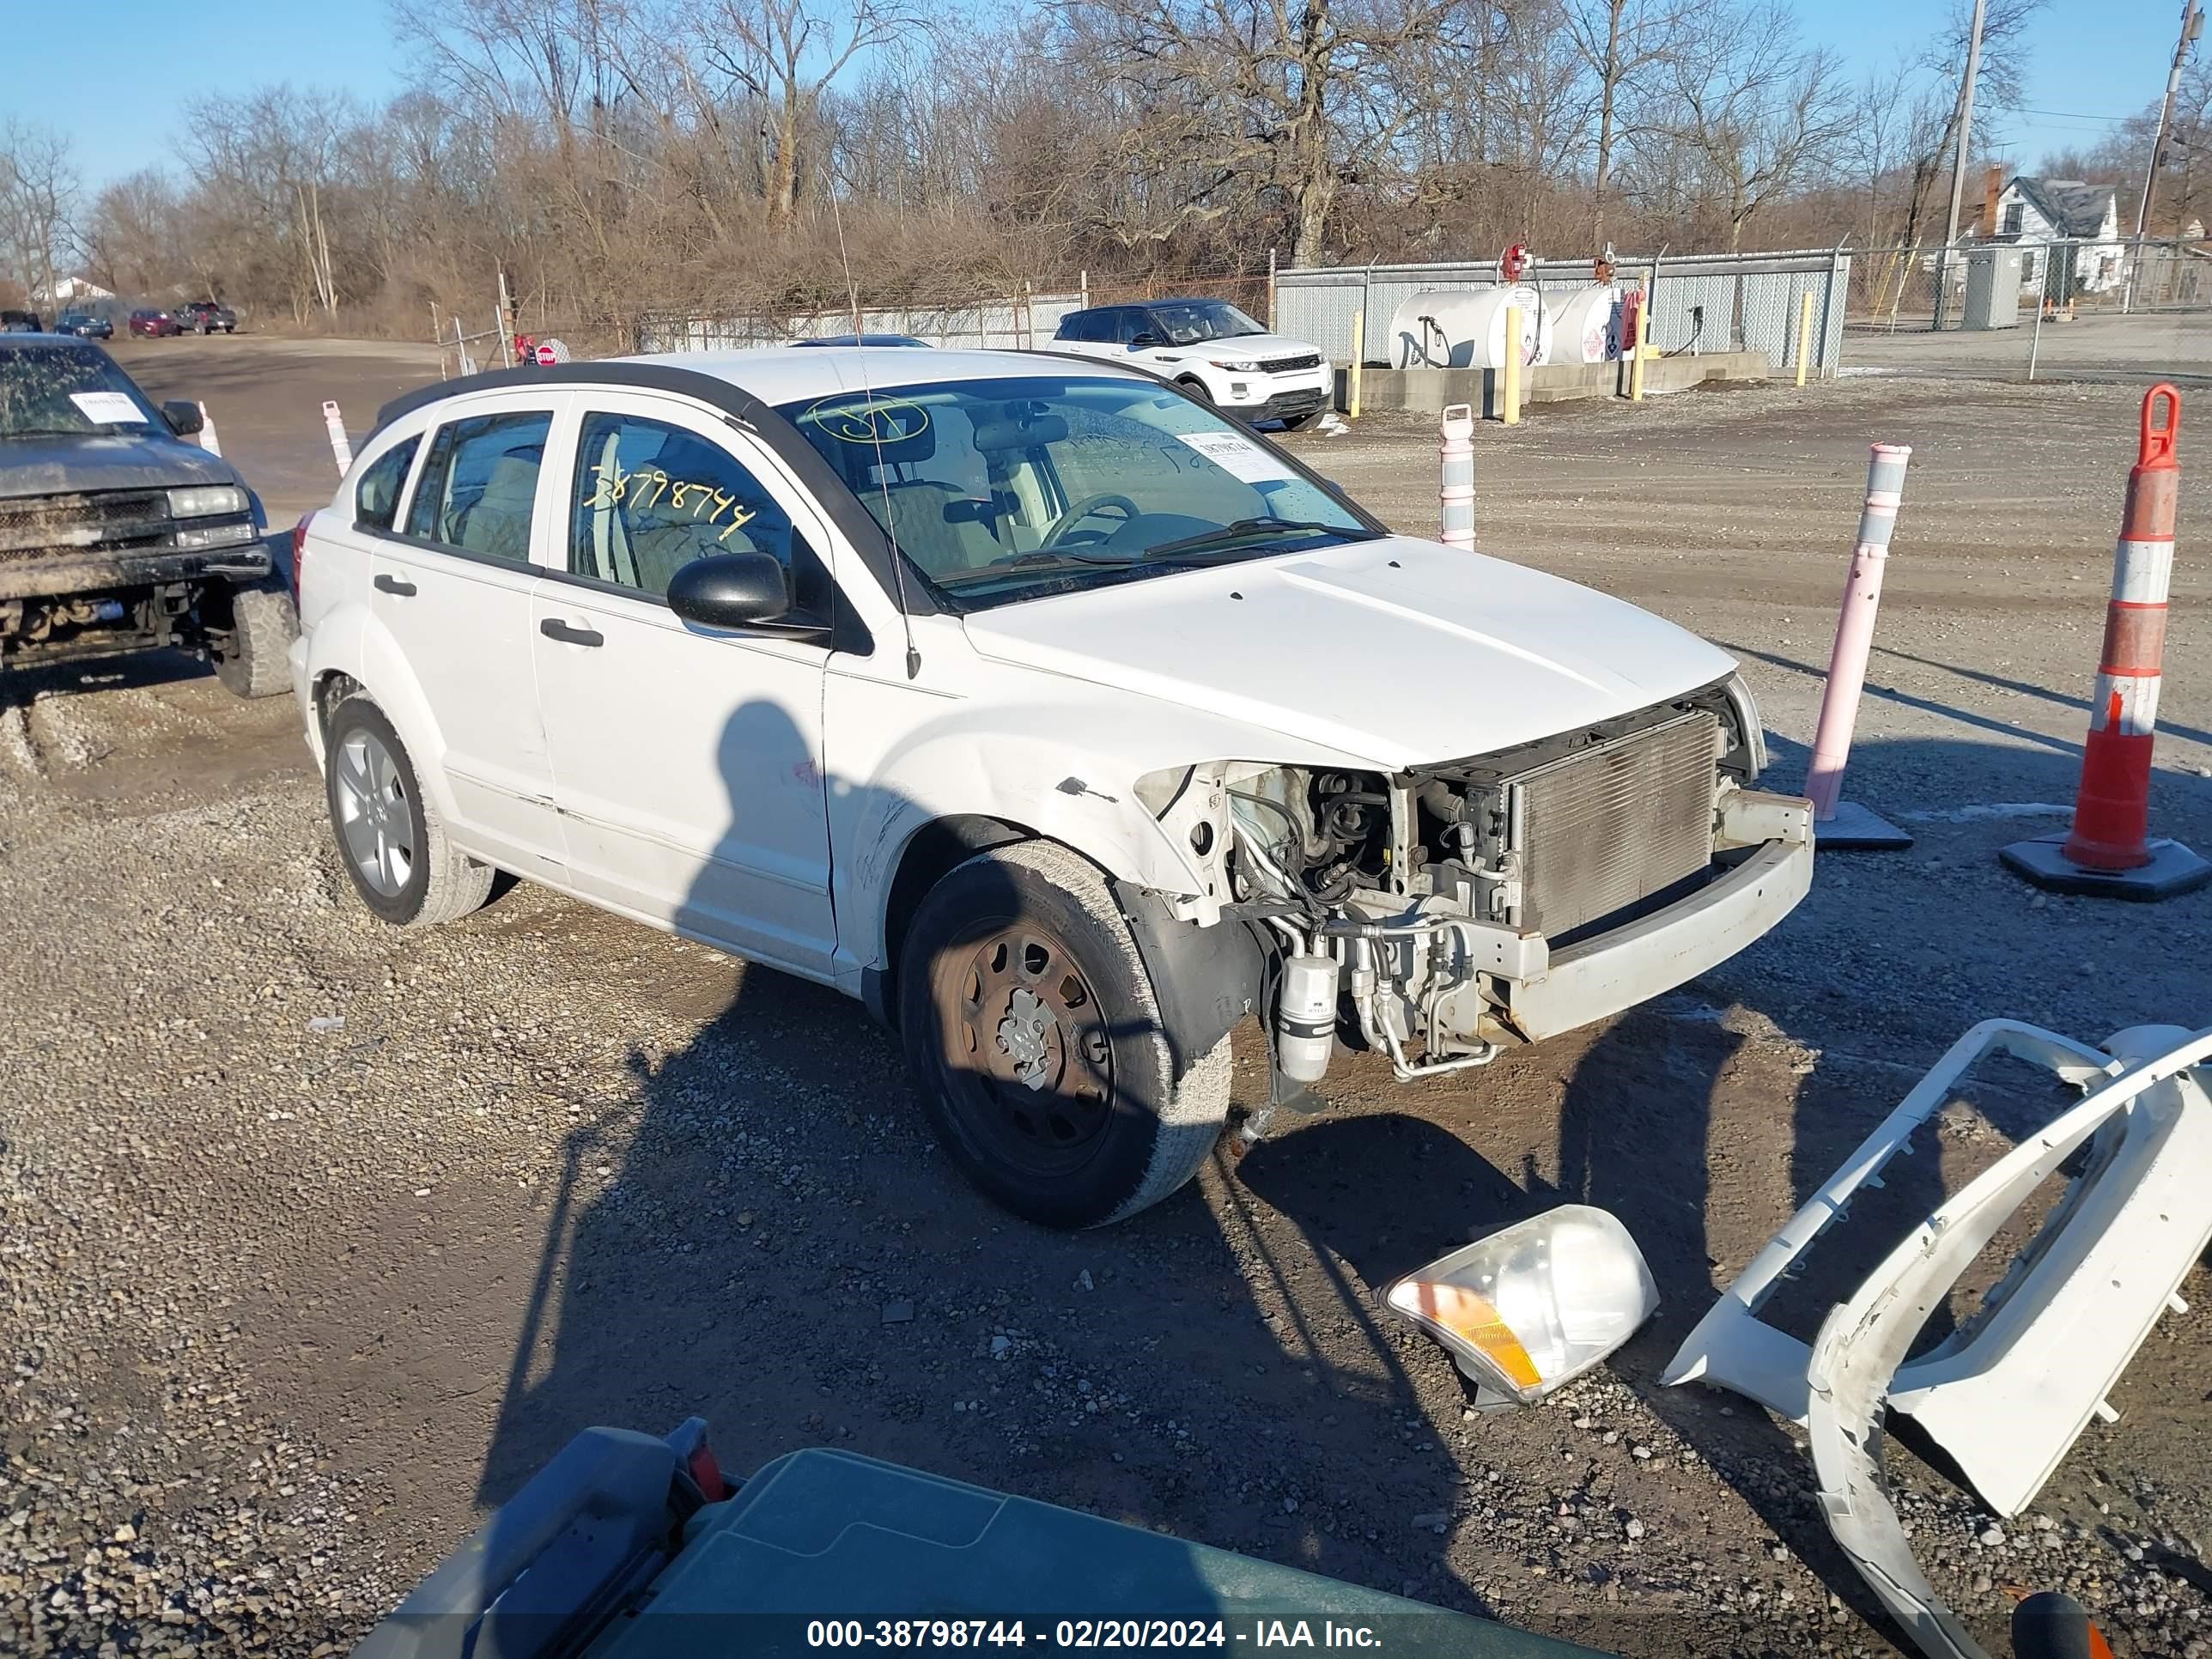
x=730, y=590
x=183, y=418
x=1139, y=342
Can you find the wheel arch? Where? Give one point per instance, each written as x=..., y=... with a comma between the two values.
x=936, y=848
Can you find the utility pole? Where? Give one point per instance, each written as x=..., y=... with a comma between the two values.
x=2192, y=25
x=1959, y=160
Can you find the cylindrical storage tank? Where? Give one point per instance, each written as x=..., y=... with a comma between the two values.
x=1467, y=330
x=1587, y=326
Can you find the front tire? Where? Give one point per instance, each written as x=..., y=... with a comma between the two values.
x=263, y=625
x=391, y=840
x=1036, y=1042
x=1300, y=422
x=1197, y=388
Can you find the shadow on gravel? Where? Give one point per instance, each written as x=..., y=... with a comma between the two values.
x=761, y=1230
x=133, y=672
x=717, y=1272
x=2002, y=684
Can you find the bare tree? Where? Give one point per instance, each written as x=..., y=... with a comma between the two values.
x=785, y=53
x=37, y=195
x=1751, y=109
x=1621, y=41
x=1253, y=102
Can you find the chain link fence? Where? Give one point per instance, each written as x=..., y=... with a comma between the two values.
x=1023, y=321
x=2079, y=310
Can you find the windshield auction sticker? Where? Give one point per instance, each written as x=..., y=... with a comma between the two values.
x=104, y=407
x=1238, y=456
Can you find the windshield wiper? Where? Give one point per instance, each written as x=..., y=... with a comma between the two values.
x=1259, y=527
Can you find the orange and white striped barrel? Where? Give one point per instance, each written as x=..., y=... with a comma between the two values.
x=2111, y=813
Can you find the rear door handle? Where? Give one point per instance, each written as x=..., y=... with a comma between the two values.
x=554, y=629
x=393, y=584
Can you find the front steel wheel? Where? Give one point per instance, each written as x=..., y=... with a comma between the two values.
x=1037, y=1047
x=1036, y=1077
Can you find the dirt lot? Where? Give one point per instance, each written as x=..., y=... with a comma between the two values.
x=287, y=1306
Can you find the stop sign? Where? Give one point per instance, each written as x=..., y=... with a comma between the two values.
x=545, y=357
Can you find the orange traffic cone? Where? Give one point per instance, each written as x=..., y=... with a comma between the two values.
x=2109, y=852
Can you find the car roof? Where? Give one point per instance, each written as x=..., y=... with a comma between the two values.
x=783, y=375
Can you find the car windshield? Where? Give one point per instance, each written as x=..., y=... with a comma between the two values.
x=1188, y=322
x=62, y=391
x=1003, y=489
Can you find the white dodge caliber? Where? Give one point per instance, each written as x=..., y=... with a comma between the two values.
x=1057, y=719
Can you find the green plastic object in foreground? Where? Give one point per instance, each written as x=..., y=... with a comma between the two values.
x=818, y=1539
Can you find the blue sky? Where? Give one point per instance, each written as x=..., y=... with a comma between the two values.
x=119, y=87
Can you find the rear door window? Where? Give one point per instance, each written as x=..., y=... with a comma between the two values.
x=479, y=487
x=376, y=498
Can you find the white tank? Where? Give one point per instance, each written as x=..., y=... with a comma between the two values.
x=1467, y=330
x=1588, y=328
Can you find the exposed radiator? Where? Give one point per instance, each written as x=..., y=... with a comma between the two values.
x=1614, y=823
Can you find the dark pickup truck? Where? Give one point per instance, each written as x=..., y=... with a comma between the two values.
x=117, y=535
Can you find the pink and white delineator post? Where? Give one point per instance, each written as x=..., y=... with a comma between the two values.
x=341, y=446
x=1838, y=824
x=1455, y=494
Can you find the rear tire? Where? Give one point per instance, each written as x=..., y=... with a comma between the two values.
x=1036, y=1042
x=393, y=844
x=263, y=625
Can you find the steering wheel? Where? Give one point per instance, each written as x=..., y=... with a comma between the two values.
x=1083, y=509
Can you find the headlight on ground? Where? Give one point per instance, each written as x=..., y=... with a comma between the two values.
x=215, y=535
x=1535, y=1304
x=205, y=500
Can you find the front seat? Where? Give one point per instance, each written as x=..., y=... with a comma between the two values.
x=941, y=546
x=497, y=524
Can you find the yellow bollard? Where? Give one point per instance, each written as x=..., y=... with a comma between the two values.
x=1509, y=412
x=1351, y=374
x=1804, y=335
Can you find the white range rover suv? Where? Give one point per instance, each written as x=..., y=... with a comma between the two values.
x=1210, y=348
x=1059, y=719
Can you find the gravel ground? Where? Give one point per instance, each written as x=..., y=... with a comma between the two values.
x=318, y=1237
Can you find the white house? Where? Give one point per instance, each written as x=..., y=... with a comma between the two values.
x=70, y=290
x=2034, y=213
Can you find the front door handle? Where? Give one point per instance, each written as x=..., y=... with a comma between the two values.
x=393, y=584
x=554, y=629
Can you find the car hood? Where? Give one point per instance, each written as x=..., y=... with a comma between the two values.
x=1402, y=652
x=1244, y=347
x=49, y=465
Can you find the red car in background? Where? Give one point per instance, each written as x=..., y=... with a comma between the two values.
x=153, y=325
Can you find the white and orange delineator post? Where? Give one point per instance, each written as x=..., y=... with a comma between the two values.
x=2109, y=852
x=1455, y=492
x=1838, y=824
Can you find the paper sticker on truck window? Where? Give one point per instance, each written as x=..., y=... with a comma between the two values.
x=106, y=406
x=1239, y=457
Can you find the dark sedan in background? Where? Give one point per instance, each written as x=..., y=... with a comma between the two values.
x=86, y=326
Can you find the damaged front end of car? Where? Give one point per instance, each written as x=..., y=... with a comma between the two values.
x=1443, y=913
